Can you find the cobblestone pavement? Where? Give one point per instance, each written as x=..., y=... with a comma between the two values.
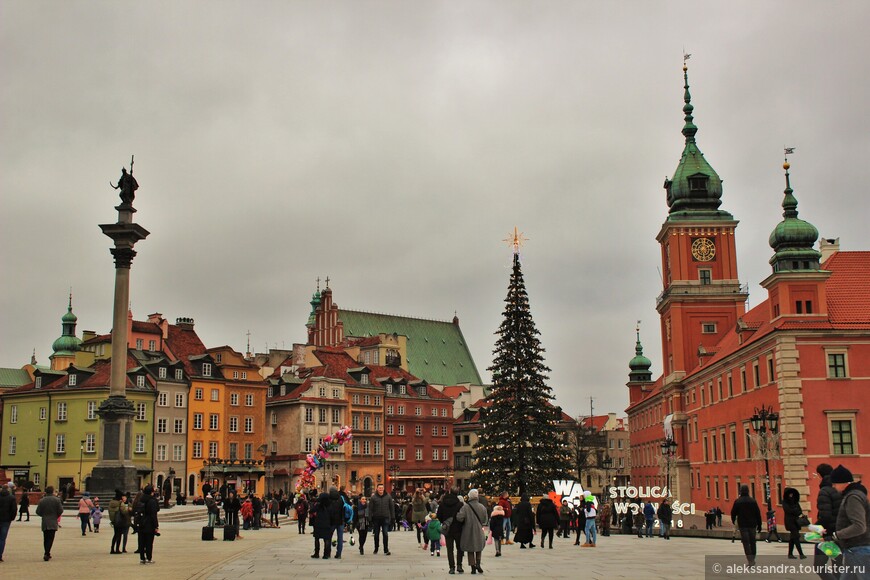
x=280, y=553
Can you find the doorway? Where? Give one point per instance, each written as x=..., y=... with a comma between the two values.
x=367, y=487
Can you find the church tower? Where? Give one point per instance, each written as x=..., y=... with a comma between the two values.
x=640, y=377
x=702, y=296
x=67, y=345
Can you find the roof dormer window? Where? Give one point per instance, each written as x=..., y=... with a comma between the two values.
x=403, y=390
x=72, y=380
x=364, y=379
x=389, y=389
x=206, y=369
x=698, y=183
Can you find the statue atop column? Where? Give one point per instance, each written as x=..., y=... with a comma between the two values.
x=127, y=185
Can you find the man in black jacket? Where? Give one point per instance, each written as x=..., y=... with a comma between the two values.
x=382, y=511
x=853, y=524
x=148, y=525
x=7, y=515
x=827, y=507
x=447, y=510
x=747, y=515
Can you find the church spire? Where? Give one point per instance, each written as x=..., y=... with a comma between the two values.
x=689, y=129
x=793, y=239
x=639, y=365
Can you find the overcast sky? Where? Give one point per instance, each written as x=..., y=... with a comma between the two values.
x=392, y=146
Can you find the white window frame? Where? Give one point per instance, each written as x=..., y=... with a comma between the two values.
x=60, y=443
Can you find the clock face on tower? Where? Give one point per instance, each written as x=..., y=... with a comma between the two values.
x=703, y=249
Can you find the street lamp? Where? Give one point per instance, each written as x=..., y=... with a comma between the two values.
x=606, y=465
x=81, y=456
x=765, y=422
x=669, y=450
x=448, y=472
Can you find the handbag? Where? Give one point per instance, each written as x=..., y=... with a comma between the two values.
x=803, y=521
x=488, y=537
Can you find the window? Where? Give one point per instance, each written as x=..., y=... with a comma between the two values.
x=377, y=422
x=179, y=374
x=161, y=373
x=336, y=416
x=837, y=365
x=274, y=447
x=213, y=421
x=336, y=393
x=435, y=431
x=219, y=358
x=842, y=441
x=206, y=369
x=756, y=374
x=367, y=447
x=212, y=449
x=13, y=412
x=389, y=409
x=434, y=411
x=418, y=454
x=179, y=399
x=418, y=411
x=389, y=389
x=197, y=394
x=403, y=390
x=140, y=381
x=60, y=443
x=391, y=454
x=355, y=399
x=283, y=390
x=730, y=385
x=161, y=452
x=152, y=345
x=38, y=383
x=367, y=423
x=162, y=399
x=708, y=328
x=355, y=421
x=321, y=415
x=140, y=443
x=249, y=400
x=244, y=375
x=401, y=430
x=743, y=380
x=61, y=411
x=273, y=420
x=322, y=392
x=377, y=446
x=249, y=425
x=249, y=450
x=367, y=400
x=179, y=426
x=43, y=413
x=402, y=454
x=443, y=455
x=418, y=430
x=40, y=445
x=389, y=428
x=434, y=455
x=309, y=445
x=444, y=412
x=215, y=395
x=139, y=343
x=309, y=414
x=234, y=424
x=36, y=479
x=770, y=373
x=706, y=277
x=235, y=374
x=234, y=450
x=178, y=453
x=141, y=411
x=161, y=425
x=197, y=420
x=444, y=430
x=355, y=447
x=12, y=445
x=234, y=399
x=466, y=440
x=401, y=409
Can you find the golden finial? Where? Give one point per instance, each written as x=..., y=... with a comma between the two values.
x=686, y=56
x=516, y=240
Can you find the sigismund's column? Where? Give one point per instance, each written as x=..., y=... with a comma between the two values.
x=115, y=469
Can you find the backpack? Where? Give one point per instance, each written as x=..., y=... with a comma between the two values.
x=348, y=510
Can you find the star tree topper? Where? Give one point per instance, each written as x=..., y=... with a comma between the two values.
x=516, y=239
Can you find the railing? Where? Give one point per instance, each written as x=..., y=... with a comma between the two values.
x=697, y=289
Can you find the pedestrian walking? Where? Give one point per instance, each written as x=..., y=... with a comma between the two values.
x=505, y=502
x=853, y=524
x=322, y=526
x=591, y=532
x=7, y=516
x=473, y=539
x=85, y=507
x=49, y=509
x=604, y=518
x=433, y=534
x=336, y=519
x=119, y=518
x=525, y=521
x=565, y=514
x=419, y=511
x=274, y=510
x=301, y=508
x=827, y=507
x=24, y=506
x=361, y=521
x=649, y=515
x=496, y=527
x=382, y=509
x=97, y=515
x=149, y=527
x=666, y=516
x=548, y=519
x=451, y=528
x=792, y=508
x=747, y=515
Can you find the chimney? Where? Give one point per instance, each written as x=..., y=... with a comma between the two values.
x=184, y=323
x=828, y=247
x=87, y=335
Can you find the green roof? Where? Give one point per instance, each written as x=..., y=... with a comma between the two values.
x=436, y=350
x=14, y=378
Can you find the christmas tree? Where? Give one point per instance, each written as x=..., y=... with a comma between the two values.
x=520, y=446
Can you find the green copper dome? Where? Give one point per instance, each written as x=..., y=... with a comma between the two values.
x=67, y=343
x=793, y=239
x=639, y=365
x=695, y=190
x=315, y=302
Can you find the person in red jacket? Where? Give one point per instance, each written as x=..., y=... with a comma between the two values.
x=505, y=502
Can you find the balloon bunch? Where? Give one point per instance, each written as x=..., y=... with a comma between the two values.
x=315, y=460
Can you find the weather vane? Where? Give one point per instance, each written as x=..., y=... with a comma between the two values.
x=516, y=240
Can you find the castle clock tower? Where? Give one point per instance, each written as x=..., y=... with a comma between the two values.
x=702, y=296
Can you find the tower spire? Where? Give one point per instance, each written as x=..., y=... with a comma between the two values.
x=793, y=239
x=689, y=129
